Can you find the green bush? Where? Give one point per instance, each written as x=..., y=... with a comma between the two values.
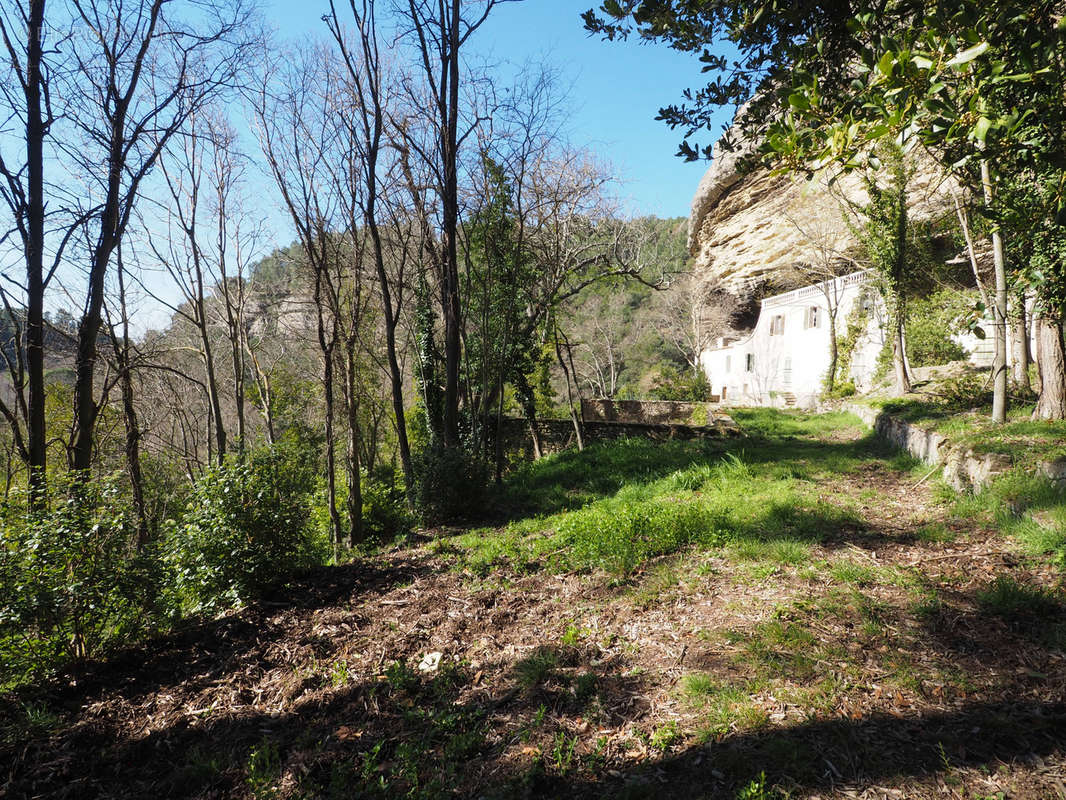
x=930, y=323
x=248, y=525
x=72, y=583
x=450, y=483
x=618, y=539
x=682, y=385
x=966, y=391
x=385, y=515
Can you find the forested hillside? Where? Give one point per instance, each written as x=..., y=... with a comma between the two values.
x=288, y=295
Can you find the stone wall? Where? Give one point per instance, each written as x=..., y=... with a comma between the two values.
x=650, y=412
x=558, y=434
x=964, y=470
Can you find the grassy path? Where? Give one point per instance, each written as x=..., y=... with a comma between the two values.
x=797, y=614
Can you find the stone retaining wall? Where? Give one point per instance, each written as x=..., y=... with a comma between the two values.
x=648, y=412
x=964, y=470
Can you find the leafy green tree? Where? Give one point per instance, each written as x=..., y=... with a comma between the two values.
x=966, y=80
x=745, y=46
x=884, y=233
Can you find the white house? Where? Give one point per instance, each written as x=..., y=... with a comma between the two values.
x=783, y=361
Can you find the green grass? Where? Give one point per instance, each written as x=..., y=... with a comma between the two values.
x=854, y=573
x=1032, y=610
x=618, y=504
x=1017, y=602
x=1028, y=507
x=723, y=707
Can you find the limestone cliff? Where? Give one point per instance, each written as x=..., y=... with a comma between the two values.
x=751, y=230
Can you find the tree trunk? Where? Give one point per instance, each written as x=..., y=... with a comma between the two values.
x=355, y=488
x=331, y=460
x=999, y=308
x=899, y=301
x=35, y=133
x=1052, y=362
x=85, y=408
x=1020, y=345
x=262, y=384
x=395, y=373
x=574, y=416
x=529, y=408
x=834, y=355
x=129, y=410
x=133, y=454
x=899, y=363
x=237, y=356
x=450, y=204
x=212, y=383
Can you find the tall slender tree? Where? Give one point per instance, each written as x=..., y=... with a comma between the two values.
x=134, y=81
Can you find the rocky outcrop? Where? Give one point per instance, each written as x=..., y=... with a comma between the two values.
x=749, y=229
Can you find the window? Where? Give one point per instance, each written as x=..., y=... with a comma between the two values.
x=750, y=364
x=728, y=363
x=813, y=318
x=777, y=325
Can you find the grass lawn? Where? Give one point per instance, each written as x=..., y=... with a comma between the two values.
x=792, y=614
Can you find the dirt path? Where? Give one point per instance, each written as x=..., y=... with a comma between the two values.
x=903, y=658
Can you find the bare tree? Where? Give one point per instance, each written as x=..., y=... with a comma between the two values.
x=206, y=254
x=137, y=74
x=369, y=87
x=124, y=358
x=439, y=31
x=300, y=141
x=188, y=255
x=566, y=364
x=237, y=238
x=691, y=314
x=598, y=342
x=25, y=92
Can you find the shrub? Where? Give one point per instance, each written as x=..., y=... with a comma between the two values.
x=72, y=582
x=683, y=385
x=449, y=483
x=930, y=322
x=248, y=525
x=966, y=391
x=385, y=515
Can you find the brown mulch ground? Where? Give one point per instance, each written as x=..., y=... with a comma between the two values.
x=869, y=670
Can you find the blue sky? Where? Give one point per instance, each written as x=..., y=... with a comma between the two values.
x=616, y=90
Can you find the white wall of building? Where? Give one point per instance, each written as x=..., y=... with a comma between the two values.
x=784, y=360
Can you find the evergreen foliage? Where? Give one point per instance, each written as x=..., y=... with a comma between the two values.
x=248, y=525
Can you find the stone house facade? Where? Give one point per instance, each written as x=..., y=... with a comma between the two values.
x=784, y=359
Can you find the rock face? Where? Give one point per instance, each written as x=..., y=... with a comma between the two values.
x=753, y=229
